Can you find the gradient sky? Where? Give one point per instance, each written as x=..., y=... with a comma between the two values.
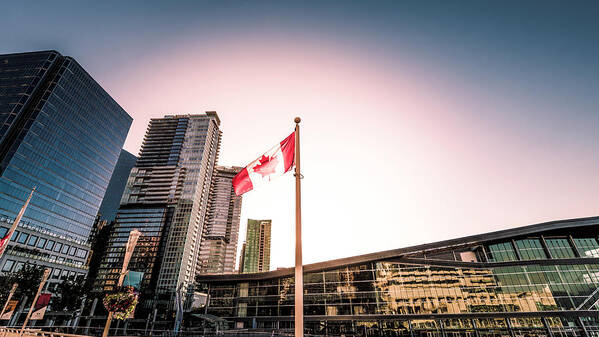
x=422, y=121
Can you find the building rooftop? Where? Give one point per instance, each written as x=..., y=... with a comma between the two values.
x=545, y=227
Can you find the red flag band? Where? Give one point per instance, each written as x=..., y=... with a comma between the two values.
x=273, y=163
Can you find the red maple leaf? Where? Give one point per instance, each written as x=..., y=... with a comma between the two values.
x=267, y=166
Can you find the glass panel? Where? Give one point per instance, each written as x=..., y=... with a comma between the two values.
x=23, y=238
x=560, y=248
x=32, y=240
x=41, y=243
x=587, y=247
x=531, y=249
x=502, y=252
x=8, y=265
x=18, y=267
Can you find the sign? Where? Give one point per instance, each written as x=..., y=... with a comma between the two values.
x=40, y=306
x=133, y=279
x=198, y=300
x=10, y=309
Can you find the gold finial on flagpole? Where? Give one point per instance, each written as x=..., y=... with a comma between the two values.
x=297, y=120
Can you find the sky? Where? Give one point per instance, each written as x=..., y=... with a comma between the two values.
x=421, y=121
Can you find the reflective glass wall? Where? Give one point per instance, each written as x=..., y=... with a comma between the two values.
x=527, y=286
x=66, y=136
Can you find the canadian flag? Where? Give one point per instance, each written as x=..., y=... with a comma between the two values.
x=4, y=241
x=273, y=163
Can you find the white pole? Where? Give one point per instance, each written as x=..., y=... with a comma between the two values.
x=299, y=268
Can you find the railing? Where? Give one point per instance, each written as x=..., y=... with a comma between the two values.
x=15, y=332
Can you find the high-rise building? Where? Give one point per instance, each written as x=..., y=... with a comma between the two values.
x=256, y=252
x=166, y=198
x=104, y=223
x=116, y=186
x=218, y=248
x=61, y=132
x=241, y=258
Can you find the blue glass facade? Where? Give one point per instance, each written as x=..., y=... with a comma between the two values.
x=118, y=181
x=62, y=133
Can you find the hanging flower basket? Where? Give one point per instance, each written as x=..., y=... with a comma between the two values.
x=121, y=302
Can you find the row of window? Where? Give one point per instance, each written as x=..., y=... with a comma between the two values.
x=56, y=273
x=537, y=249
x=43, y=243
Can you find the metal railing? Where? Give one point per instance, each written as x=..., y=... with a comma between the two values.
x=16, y=332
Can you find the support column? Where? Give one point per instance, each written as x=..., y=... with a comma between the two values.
x=509, y=327
x=547, y=326
x=583, y=327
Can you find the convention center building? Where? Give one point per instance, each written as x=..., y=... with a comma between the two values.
x=537, y=280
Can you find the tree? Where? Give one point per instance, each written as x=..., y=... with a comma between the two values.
x=28, y=278
x=71, y=294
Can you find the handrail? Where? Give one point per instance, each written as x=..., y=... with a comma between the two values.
x=16, y=332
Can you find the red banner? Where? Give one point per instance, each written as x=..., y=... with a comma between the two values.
x=40, y=306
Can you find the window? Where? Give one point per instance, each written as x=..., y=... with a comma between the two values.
x=14, y=236
x=501, y=252
x=242, y=309
x=8, y=265
x=19, y=266
x=587, y=247
x=81, y=253
x=65, y=249
x=41, y=243
x=50, y=245
x=23, y=238
x=560, y=248
x=56, y=273
x=3, y=231
x=531, y=249
x=72, y=251
x=57, y=247
x=243, y=289
x=32, y=240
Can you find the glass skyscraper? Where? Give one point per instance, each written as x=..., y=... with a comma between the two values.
x=255, y=255
x=538, y=280
x=112, y=198
x=62, y=133
x=166, y=198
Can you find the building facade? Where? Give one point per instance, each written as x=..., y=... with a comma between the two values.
x=61, y=132
x=166, y=198
x=256, y=249
x=539, y=280
x=218, y=248
x=112, y=198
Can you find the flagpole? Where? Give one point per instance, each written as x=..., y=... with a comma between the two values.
x=299, y=268
x=39, y=290
x=12, y=292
